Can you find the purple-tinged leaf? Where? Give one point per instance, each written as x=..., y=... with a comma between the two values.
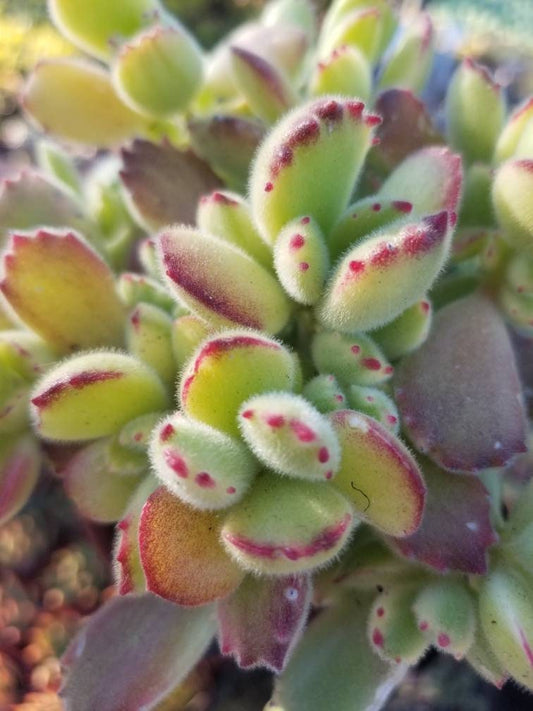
x=228, y=144
x=406, y=127
x=164, y=183
x=132, y=653
x=456, y=529
x=20, y=463
x=262, y=621
x=459, y=395
x=333, y=667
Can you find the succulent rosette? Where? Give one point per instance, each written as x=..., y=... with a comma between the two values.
x=301, y=389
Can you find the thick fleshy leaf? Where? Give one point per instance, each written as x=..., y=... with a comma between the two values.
x=286, y=526
x=187, y=333
x=406, y=128
x=30, y=201
x=456, y=529
x=325, y=393
x=340, y=9
x=79, y=310
x=266, y=90
x=459, y=395
x=228, y=369
x=100, y=493
x=164, y=184
x=301, y=260
x=333, y=667
x=62, y=93
x=511, y=191
x=354, y=359
x=132, y=653
x=94, y=395
x=20, y=464
x=482, y=658
x=407, y=332
x=392, y=627
x=446, y=615
x=410, y=61
x=148, y=337
x=159, y=71
x=128, y=572
x=228, y=144
x=328, y=137
x=345, y=71
x=375, y=403
x=288, y=435
x=203, y=466
x=475, y=111
x=227, y=215
x=506, y=614
x=58, y=164
x=94, y=28
x=360, y=28
x=263, y=620
x=430, y=179
x=385, y=274
x=519, y=126
x=136, y=288
x=220, y=282
x=25, y=353
x=378, y=474
x=181, y=554
x=362, y=218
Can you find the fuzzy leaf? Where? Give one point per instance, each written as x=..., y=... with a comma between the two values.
x=204, y=467
x=411, y=59
x=99, y=493
x=511, y=191
x=108, y=669
x=301, y=260
x=392, y=627
x=263, y=620
x=31, y=201
x=62, y=93
x=446, y=615
x=265, y=89
x=227, y=215
x=407, y=332
x=220, y=282
x=95, y=27
x=79, y=310
x=20, y=464
x=135, y=434
x=360, y=28
x=378, y=474
x=286, y=526
x=345, y=71
x=375, y=403
x=475, y=111
x=289, y=436
x=229, y=368
x=228, y=144
x=482, y=658
x=181, y=554
x=456, y=529
x=159, y=71
x=354, y=359
x=328, y=137
x=334, y=668
x=94, y=395
x=362, y=218
x=187, y=334
x=164, y=184
x=459, y=395
x=324, y=392
x=148, y=337
x=506, y=615
x=25, y=353
x=136, y=288
x=519, y=126
x=385, y=274
x=430, y=179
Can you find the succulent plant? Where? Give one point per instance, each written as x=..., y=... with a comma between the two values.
x=281, y=339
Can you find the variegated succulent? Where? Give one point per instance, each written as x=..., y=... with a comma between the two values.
x=276, y=340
